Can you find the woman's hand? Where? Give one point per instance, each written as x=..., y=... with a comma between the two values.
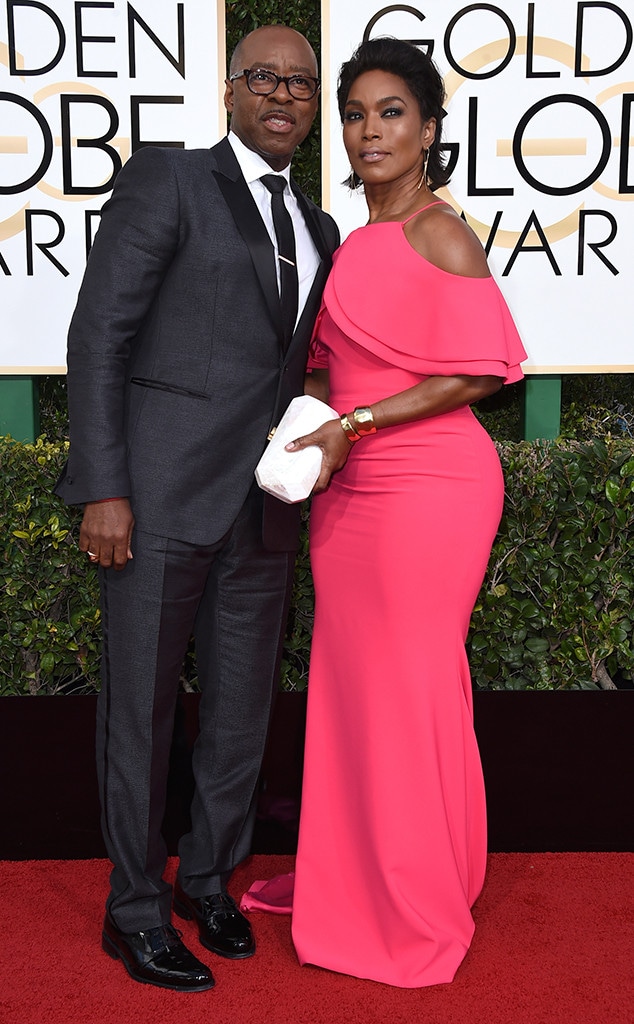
x=335, y=448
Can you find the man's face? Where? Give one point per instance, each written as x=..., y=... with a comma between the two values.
x=272, y=125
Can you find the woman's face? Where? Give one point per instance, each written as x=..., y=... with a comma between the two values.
x=383, y=131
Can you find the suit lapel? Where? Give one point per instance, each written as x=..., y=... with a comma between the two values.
x=312, y=222
x=309, y=312
x=306, y=322
x=250, y=225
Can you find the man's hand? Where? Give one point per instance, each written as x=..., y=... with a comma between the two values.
x=106, y=532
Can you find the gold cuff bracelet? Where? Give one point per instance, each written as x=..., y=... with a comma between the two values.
x=364, y=420
x=348, y=429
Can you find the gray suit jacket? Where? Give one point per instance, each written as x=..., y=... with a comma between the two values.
x=176, y=370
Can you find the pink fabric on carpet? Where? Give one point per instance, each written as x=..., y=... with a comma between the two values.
x=274, y=896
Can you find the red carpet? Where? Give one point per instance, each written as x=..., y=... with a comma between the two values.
x=554, y=944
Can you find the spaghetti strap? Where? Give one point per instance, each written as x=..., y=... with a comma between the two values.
x=439, y=202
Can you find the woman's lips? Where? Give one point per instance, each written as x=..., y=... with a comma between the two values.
x=371, y=156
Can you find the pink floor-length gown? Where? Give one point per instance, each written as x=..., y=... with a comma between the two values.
x=392, y=843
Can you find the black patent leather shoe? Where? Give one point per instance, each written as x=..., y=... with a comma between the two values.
x=221, y=926
x=156, y=957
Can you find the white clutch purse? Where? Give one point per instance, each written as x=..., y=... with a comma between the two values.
x=291, y=476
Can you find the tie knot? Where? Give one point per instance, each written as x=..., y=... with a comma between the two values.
x=274, y=182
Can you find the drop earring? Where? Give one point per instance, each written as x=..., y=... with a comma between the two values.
x=353, y=180
x=423, y=177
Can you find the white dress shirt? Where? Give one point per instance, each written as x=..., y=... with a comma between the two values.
x=253, y=167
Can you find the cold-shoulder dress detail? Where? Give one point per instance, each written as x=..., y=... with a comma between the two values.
x=400, y=307
x=392, y=843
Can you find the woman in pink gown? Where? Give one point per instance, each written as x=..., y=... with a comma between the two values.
x=392, y=844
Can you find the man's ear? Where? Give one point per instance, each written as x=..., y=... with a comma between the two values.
x=228, y=98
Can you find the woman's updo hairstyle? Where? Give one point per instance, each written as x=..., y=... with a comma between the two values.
x=421, y=77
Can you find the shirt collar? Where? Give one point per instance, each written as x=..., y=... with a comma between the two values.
x=252, y=165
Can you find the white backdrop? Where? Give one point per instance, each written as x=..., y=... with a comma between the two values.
x=540, y=106
x=70, y=75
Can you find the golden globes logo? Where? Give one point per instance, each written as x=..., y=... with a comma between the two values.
x=71, y=116
x=529, y=166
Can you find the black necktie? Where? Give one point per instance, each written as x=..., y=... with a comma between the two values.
x=289, y=287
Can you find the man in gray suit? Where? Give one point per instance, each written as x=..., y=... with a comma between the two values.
x=181, y=358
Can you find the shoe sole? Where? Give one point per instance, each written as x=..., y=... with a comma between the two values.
x=183, y=912
x=109, y=947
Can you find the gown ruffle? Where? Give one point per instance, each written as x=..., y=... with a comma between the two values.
x=461, y=325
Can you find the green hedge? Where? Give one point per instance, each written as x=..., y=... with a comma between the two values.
x=49, y=618
x=555, y=611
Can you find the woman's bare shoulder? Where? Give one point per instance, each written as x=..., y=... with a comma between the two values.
x=446, y=240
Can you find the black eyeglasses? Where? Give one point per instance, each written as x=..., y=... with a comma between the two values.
x=263, y=83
